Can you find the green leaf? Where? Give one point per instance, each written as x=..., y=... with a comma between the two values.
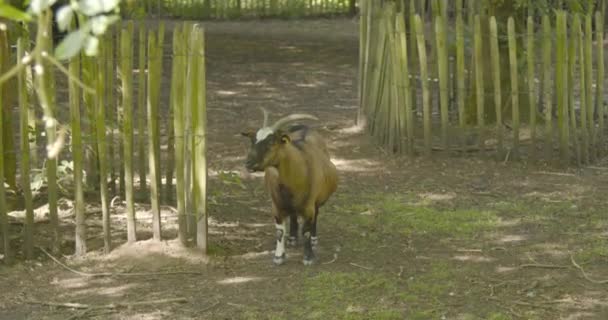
x=12, y=13
x=37, y=6
x=64, y=17
x=72, y=44
x=99, y=24
x=95, y=7
x=91, y=46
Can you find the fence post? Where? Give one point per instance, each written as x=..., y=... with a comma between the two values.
x=583, y=100
x=442, y=58
x=531, y=84
x=571, y=71
x=460, y=82
x=495, y=55
x=599, y=38
x=177, y=104
x=479, y=83
x=561, y=78
x=547, y=94
x=426, y=95
x=589, y=85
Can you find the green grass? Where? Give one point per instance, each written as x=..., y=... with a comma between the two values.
x=399, y=214
x=351, y=295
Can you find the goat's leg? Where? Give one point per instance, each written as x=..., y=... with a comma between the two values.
x=313, y=236
x=293, y=230
x=309, y=255
x=279, y=253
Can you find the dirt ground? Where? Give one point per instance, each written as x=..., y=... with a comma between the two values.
x=441, y=238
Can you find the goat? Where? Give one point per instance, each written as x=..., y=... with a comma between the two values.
x=298, y=175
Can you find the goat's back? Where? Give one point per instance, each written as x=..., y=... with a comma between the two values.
x=323, y=176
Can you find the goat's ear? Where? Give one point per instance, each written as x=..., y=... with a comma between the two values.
x=285, y=139
x=248, y=134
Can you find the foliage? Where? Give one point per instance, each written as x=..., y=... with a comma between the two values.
x=93, y=17
x=65, y=177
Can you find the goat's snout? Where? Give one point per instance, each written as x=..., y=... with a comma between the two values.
x=251, y=164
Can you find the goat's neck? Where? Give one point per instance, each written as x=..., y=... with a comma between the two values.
x=292, y=167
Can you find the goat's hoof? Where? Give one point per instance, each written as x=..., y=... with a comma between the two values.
x=279, y=260
x=292, y=241
x=308, y=261
x=314, y=241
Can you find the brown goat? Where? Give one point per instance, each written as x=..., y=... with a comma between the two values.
x=299, y=176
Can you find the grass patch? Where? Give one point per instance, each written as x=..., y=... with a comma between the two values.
x=351, y=295
x=397, y=213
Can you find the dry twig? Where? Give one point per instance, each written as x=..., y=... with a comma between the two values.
x=360, y=266
x=584, y=273
x=332, y=260
x=540, y=265
x=88, y=307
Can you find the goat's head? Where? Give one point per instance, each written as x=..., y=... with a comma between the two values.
x=266, y=141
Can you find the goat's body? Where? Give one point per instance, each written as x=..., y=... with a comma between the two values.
x=301, y=182
x=302, y=168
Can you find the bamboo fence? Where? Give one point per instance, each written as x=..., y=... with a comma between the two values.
x=532, y=84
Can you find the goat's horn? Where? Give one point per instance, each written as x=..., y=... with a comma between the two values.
x=265, y=117
x=291, y=118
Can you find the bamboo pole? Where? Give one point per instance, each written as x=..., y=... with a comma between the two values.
x=152, y=113
x=531, y=84
x=588, y=49
x=43, y=78
x=80, y=235
x=547, y=94
x=201, y=147
x=29, y=91
x=160, y=52
x=574, y=39
x=126, y=75
x=460, y=79
x=191, y=98
x=113, y=114
x=479, y=85
x=25, y=152
x=514, y=85
x=407, y=86
x=364, y=41
x=8, y=93
x=442, y=58
x=561, y=78
x=6, y=240
x=599, y=39
x=495, y=56
x=414, y=61
x=102, y=148
x=392, y=117
x=177, y=104
x=426, y=95
x=583, y=91
x=141, y=104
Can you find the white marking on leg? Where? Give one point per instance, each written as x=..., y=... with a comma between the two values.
x=280, y=250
